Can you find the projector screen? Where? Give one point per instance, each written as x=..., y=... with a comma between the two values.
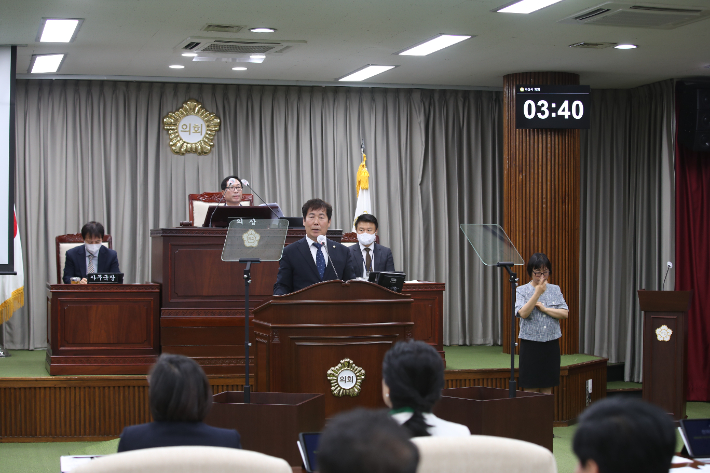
x=8, y=54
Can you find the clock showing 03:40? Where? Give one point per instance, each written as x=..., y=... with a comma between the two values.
x=552, y=106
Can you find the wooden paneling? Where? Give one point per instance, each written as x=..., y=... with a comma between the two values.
x=541, y=201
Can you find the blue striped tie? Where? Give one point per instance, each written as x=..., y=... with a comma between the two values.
x=320, y=260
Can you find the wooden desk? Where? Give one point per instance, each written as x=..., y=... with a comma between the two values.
x=102, y=328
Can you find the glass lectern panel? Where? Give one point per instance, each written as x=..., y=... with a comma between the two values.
x=491, y=244
x=250, y=238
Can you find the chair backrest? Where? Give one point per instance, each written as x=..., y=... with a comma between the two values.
x=197, y=205
x=482, y=454
x=69, y=241
x=186, y=460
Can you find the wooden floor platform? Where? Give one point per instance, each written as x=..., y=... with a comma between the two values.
x=72, y=408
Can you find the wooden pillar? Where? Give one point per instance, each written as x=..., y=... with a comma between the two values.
x=541, y=201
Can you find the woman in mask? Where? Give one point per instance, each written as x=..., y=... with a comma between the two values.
x=91, y=257
x=367, y=255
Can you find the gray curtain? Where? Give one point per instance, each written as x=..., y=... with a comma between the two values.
x=627, y=227
x=96, y=150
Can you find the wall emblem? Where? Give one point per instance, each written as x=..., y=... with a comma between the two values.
x=251, y=238
x=663, y=334
x=346, y=378
x=191, y=129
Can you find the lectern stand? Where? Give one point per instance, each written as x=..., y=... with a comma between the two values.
x=665, y=349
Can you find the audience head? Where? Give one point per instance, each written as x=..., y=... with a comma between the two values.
x=179, y=390
x=366, y=441
x=316, y=217
x=617, y=435
x=413, y=377
x=232, y=190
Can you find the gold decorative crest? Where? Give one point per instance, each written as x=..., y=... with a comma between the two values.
x=251, y=238
x=663, y=334
x=191, y=129
x=346, y=378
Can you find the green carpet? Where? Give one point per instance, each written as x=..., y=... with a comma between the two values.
x=44, y=457
x=484, y=357
x=23, y=364
x=623, y=385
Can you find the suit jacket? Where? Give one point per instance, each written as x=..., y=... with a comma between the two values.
x=297, y=269
x=75, y=264
x=175, y=434
x=383, y=259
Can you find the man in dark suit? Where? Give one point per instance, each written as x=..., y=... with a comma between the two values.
x=306, y=262
x=91, y=257
x=367, y=255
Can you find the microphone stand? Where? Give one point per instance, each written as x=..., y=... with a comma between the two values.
x=246, y=183
x=247, y=343
x=513, y=279
x=212, y=214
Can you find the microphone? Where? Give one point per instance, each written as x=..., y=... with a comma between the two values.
x=670, y=265
x=212, y=214
x=324, y=243
x=246, y=183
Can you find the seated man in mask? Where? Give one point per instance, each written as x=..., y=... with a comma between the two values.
x=91, y=257
x=367, y=255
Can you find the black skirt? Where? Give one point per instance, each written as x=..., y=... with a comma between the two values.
x=539, y=364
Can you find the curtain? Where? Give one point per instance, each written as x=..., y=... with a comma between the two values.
x=96, y=150
x=626, y=217
x=692, y=226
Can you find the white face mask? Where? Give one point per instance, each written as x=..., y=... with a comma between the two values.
x=366, y=239
x=93, y=248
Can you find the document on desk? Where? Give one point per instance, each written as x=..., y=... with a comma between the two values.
x=68, y=462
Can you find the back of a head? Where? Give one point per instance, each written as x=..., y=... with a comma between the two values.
x=366, y=441
x=414, y=373
x=625, y=435
x=179, y=390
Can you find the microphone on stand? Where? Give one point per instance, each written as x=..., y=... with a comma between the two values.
x=670, y=265
x=246, y=183
x=212, y=214
x=324, y=242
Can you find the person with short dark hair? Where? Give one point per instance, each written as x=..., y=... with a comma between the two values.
x=369, y=255
x=307, y=261
x=180, y=398
x=540, y=306
x=91, y=257
x=232, y=190
x=617, y=435
x=412, y=380
x=366, y=441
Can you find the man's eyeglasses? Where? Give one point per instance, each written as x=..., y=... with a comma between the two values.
x=234, y=188
x=541, y=273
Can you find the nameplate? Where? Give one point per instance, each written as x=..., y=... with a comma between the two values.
x=104, y=278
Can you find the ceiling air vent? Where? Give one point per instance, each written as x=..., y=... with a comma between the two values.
x=223, y=28
x=219, y=47
x=588, y=45
x=630, y=15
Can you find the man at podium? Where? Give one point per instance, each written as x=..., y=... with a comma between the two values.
x=313, y=259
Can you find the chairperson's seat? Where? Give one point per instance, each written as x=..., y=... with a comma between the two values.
x=186, y=460
x=482, y=454
x=197, y=205
x=67, y=242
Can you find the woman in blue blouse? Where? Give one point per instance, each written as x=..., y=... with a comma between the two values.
x=540, y=306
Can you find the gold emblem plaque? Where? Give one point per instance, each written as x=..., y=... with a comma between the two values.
x=251, y=238
x=191, y=129
x=663, y=333
x=346, y=378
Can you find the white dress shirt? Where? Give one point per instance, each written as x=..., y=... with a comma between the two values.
x=437, y=427
x=313, y=250
x=364, y=256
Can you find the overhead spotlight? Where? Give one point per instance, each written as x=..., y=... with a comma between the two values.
x=440, y=42
x=44, y=63
x=189, y=54
x=526, y=6
x=365, y=73
x=625, y=46
x=262, y=30
x=177, y=66
x=58, y=30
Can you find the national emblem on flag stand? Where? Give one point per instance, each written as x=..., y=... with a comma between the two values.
x=364, y=205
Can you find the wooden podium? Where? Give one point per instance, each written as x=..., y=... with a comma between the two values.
x=102, y=328
x=665, y=349
x=300, y=336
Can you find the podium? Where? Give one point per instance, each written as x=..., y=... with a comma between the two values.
x=301, y=336
x=665, y=349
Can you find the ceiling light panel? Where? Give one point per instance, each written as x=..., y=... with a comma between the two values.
x=46, y=63
x=365, y=73
x=58, y=30
x=435, y=44
x=262, y=30
x=526, y=6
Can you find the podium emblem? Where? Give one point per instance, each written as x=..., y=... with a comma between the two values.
x=191, y=129
x=251, y=238
x=663, y=333
x=346, y=378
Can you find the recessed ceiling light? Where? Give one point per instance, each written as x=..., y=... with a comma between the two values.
x=365, y=73
x=526, y=6
x=58, y=30
x=440, y=42
x=258, y=56
x=262, y=30
x=189, y=54
x=46, y=63
x=238, y=68
x=626, y=46
x=177, y=66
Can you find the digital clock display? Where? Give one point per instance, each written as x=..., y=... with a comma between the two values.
x=552, y=106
